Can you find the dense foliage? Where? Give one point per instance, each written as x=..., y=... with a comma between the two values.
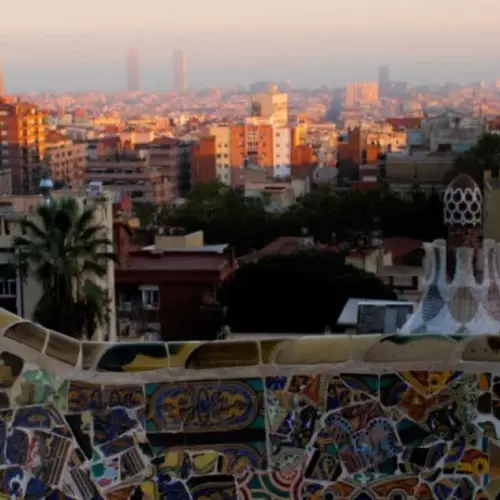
x=226, y=216
x=482, y=157
x=67, y=251
x=299, y=293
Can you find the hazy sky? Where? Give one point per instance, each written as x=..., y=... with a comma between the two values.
x=81, y=45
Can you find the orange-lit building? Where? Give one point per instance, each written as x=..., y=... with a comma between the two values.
x=226, y=150
x=303, y=161
x=203, y=168
x=22, y=144
x=357, y=150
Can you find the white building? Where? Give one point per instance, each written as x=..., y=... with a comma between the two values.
x=271, y=105
x=281, y=151
x=222, y=153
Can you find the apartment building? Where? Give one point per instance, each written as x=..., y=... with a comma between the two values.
x=282, y=151
x=22, y=143
x=255, y=142
x=402, y=171
x=172, y=157
x=131, y=175
x=5, y=181
x=21, y=296
x=221, y=142
x=204, y=164
x=169, y=290
x=65, y=160
x=361, y=94
x=272, y=106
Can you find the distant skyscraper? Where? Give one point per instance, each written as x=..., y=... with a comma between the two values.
x=384, y=79
x=2, y=88
x=179, y=70
x=133, y=71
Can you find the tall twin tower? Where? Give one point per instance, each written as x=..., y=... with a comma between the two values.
x=134, y=71
x=2, y=87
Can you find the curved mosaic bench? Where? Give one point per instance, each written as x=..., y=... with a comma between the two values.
x=339, y=417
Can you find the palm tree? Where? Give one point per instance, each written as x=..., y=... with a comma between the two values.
x=67, y=252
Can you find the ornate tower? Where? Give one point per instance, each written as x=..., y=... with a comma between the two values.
x=455, y=299
x=463, y=203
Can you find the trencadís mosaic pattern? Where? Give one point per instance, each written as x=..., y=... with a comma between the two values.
x=405, y=435
x=327, y=417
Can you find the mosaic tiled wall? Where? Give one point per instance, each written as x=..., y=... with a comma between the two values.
x=418, y=435
x=327, y=417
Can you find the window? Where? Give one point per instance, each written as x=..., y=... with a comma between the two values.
x=8, y=288
x=150, y=297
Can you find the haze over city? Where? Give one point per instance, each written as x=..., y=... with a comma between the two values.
x=65, y=47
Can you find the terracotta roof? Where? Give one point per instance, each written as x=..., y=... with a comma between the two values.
x=401, y=246
x=410, y=123
x=178, y=262
x=54, y=136
x=364, y=185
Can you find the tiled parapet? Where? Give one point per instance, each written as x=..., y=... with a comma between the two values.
x=327, y=417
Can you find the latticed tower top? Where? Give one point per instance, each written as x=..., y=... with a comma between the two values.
x=463, y=203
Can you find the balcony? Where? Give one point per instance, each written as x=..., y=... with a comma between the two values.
x=135, y=320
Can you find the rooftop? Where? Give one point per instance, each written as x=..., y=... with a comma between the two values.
x=177, y=262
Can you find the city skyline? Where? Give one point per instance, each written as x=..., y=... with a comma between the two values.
x=435, y=47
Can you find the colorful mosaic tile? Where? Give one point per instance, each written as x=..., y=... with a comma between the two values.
x=403, y=435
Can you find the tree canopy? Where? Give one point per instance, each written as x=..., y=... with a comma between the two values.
x=67, y=251
x=227, y=216
x=298, y=293
x=484, y=156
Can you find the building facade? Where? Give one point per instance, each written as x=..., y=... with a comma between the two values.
x=272, y=106
x=169, y=289
x=172, y=157
x=133, y=176
x=361, y=94
x=65, y=160
x=204, y=166
x=255, y=142
x=22, y=144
